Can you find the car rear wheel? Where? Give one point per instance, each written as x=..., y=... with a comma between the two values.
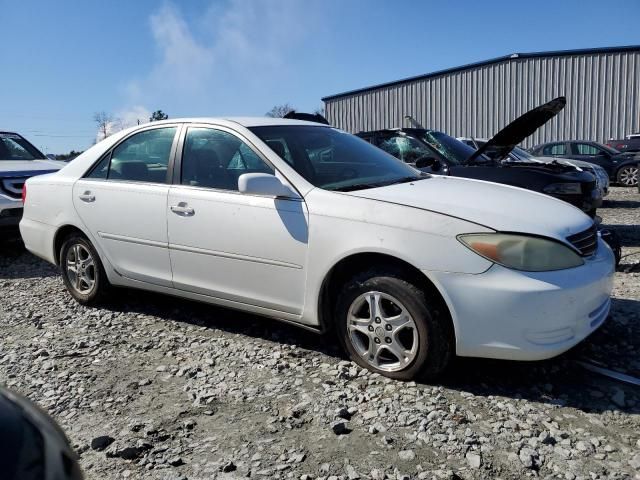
x=388, y=325
x=628, y=176
x=82, y=271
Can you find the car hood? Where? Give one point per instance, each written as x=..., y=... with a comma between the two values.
x=499, y=207
x=627, y=156
x=499, y=146
x=21, y=166
x=565, y=161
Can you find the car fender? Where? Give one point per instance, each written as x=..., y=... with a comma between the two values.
x=426, y=240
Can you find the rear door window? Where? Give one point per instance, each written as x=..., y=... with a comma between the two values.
x=554, y=149
x=143, y=157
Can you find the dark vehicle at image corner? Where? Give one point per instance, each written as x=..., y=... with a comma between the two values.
x=436, y=152
x=622, y=167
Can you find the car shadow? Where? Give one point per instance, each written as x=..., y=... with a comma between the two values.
x=16, y=262
x=629, y=234
x=620, y=204
x=558, y=381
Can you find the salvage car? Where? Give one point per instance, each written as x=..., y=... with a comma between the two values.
x=436, y=152
x=19, y=160
x=621, y=167
x=308, y=224
x=519, y=154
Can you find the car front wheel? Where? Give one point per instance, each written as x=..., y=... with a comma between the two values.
x=628, y=176
x=389, y=325
x=82, y=271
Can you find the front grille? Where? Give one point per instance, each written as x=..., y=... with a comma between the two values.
x=586, y=241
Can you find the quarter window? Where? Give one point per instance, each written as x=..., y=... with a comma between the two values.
x=216, y=159
x=555, y=149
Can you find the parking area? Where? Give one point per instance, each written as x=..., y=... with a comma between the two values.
x=156, y=387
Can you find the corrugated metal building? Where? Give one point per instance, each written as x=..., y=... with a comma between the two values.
x=602, y=86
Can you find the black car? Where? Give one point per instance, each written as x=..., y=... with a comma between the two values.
x=621, y=167
x=436, y=152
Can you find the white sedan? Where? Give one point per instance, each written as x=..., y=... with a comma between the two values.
x=308, y=224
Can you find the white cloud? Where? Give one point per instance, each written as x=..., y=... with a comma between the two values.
x=134, y=115
x=235, y=47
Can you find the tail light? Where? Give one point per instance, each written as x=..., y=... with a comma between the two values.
x=24, y=193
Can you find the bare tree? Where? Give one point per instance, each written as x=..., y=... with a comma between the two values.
x=319, y=111
x=105, y=122
x=280, y=111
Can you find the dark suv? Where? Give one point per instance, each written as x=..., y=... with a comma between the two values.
x=621, y=167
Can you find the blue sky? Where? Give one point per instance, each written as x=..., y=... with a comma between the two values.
x=64, y=60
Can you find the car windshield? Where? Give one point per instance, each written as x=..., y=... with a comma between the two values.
x=334, y=160
x=14, y=147
x=520, y=155
x=450, y=148
x=609, y=149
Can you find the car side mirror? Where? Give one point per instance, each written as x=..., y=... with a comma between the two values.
x=263, y=184
x=428, y=162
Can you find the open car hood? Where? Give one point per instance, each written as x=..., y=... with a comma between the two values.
x=499, y=146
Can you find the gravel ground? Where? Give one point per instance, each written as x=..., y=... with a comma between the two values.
x=155, y=387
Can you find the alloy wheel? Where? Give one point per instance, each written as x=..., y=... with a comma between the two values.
x=80, y=269
x=382, y=331
x=629, y=176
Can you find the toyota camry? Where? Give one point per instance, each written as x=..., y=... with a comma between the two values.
x=308, y=224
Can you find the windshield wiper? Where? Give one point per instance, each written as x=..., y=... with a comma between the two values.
x=362, y=186
x=357, y=186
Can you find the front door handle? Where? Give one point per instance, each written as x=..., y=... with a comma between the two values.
x=87, y=197
x=183, y=209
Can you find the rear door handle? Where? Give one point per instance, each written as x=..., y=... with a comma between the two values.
x=87, y=197
x=183, y=209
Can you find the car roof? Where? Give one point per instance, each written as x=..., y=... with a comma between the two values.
x=244, y=121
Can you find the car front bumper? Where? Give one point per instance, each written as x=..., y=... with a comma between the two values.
x=10, y=212
x=508, y=314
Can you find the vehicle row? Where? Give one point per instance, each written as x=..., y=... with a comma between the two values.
x=621, y=167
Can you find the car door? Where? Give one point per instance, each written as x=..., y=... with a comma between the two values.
x=123, y=203
x=588, y=152
x=237, y=247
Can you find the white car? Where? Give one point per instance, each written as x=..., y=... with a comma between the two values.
x=308, y=224
x=19, y=160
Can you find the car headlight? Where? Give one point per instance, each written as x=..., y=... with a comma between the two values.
x=563, y=188
x=522, y=252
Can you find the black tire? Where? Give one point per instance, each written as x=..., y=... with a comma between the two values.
x=101, y=287
x=435, y=339
x=627, y=176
